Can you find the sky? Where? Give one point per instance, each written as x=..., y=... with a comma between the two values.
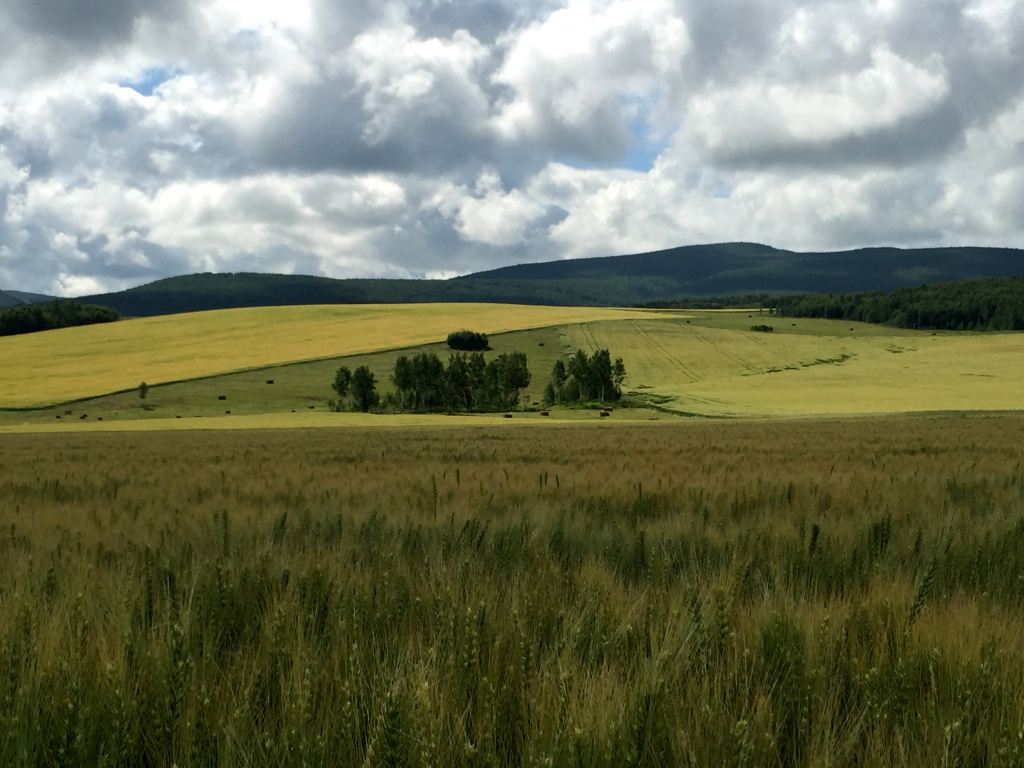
x=426, y=138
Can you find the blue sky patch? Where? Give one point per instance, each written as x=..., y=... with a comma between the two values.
x=151, y=80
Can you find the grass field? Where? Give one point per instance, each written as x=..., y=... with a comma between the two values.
x=785, y=593
x=713, y=365
x=74, y=363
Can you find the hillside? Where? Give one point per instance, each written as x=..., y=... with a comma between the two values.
x=699, y=363
x=74, y=363
x=699, y=270
x=10, y=299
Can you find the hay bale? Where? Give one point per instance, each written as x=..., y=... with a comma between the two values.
x=222, y=397
x=605, y=414
x=545, y=413
x=270, y=381
x=508, y=415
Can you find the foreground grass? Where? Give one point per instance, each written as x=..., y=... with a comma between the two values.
x=73, y=363
x=806, y=593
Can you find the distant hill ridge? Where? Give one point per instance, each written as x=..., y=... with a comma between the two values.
x=696, y=270
x=10, y=299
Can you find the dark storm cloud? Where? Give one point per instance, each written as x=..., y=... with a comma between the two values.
x=323, y=127
x=87, y=23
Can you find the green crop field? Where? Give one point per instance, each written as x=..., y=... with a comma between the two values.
x=783, y=593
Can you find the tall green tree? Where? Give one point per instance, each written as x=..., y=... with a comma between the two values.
x=364, y=389
x=558, y=378
x=342, y=382
x=618, y=375
x=601, y=375
x=579, y=371
x=402, y=378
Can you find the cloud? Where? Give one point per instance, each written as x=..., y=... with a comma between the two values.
x=490, y=215
x=141, y=139
x=576, y=77
x=765, y=119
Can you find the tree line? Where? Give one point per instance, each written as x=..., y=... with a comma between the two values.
x=969, y=305
x=738, y=301
x=426, y=383
x=52, y=315
x=469, y=382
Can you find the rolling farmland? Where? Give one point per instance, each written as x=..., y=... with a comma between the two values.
x=214, y=575
x=699, y=363
x=75, y=363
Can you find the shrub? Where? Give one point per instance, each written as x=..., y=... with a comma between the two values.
x=468, y=341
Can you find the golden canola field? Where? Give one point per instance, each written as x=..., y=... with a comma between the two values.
x=783, y=593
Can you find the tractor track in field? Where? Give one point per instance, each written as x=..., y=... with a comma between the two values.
x=661, y=348
x=741, y=362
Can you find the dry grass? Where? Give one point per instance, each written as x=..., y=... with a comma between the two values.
x=73, y=363
x=843, y=593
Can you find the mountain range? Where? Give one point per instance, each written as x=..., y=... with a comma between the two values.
x=676, y=273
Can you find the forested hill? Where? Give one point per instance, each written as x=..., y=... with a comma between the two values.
x=701, y=270
x=20, y=298
x=982, y=305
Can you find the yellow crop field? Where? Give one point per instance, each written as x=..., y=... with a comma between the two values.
x=693, y=368
x=57, y=366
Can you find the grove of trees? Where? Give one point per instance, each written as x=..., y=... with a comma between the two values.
x=586, y=378
x=356, y=391
x=51, y=315
x=468, y=382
